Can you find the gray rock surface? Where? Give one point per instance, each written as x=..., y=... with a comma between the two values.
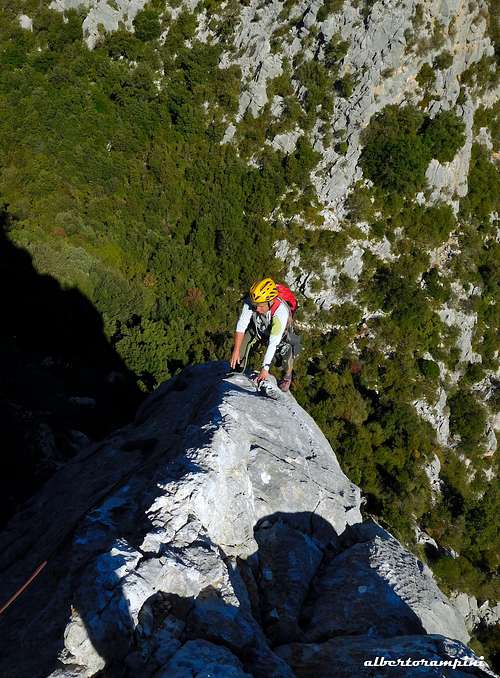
x=199, y=657
x=286, y=142
x=349, y=656
x=432, y=471
x=351, y=265
x=213, y=529
x=474, y=614
x=26, y=22
x=438, y=417
x=351, y=587
x=465, y=322
x=386, y=70
x=101, y=13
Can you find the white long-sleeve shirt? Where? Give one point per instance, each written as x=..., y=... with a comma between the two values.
x=277, y=324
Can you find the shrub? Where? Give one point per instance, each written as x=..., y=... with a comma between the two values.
x=437, y=39
x=482, y=74
x=428, y=226
x=429, y=369
x=329, y=7
x=437, y=286
x=394, y=156
x=468, y=419
x=145, y=347
x=489, y=118
x=444, y=135
x=456, y=574
x=359, y=203
x=342, y=147
x=315, y=78
x=400, y=142
x=299, y=165
x=443, y=61
x=484, y=186
x=15, y=51
x=335, y=50
x=426, y=76
x=396, y=164
x=122, y=43
x=486, y=642
x=494, y=25
x=344, y=87
x=147, y=25
x=473, y=373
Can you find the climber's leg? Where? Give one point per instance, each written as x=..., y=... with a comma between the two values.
x=293, y=343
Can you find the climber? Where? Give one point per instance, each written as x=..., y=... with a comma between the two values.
x=266, y=317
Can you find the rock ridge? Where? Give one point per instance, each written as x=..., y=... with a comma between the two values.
x=215, y=535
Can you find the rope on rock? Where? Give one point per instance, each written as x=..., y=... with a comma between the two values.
x=23, y=587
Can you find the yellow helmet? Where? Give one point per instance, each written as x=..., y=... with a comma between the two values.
x=263, y=291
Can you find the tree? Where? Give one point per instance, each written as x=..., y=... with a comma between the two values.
x=395, y=156
x=147, y=25
x=444, y=135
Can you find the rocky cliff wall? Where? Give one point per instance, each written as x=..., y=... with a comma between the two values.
x=215, y=535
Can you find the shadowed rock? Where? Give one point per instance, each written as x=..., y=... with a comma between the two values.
x=376, y=587
x=204, y=539
x=346, y=656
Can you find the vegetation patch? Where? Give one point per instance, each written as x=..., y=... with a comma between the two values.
x=482, y=198
x=400, y=142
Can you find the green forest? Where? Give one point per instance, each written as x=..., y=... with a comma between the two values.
x=114, y=182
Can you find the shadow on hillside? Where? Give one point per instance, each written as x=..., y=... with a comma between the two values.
x=61, y=382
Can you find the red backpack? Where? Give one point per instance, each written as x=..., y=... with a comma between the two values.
x=285, y=294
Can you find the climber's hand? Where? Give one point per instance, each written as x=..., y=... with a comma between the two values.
x=262, y=376
x=235, y=359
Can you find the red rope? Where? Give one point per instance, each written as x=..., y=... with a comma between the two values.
x=100, y=497
x=23, y=587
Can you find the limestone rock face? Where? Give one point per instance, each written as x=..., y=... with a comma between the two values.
x=487, y=614
x=386, y=50
x=443, y=657
x=371, y=571
x=382, y=59
x=108, y=15
x=26, y=22
x=203, y=539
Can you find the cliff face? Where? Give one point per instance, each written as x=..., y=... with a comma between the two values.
x=385, y=46
x=215, y=534
x=437, y=56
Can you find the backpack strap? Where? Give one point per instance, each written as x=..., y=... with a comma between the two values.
x=275, y=306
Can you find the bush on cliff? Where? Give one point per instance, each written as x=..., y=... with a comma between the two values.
x=400, y=142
